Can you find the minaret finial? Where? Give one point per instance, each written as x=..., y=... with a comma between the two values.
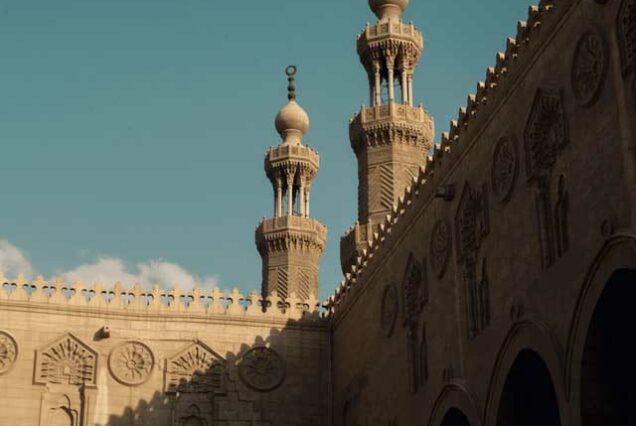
x=291, y=77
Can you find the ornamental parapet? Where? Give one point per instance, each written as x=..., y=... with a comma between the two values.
x=391, y=123
x=291, y=156
x=285, y=232
x=137, y=300
x=402, y=39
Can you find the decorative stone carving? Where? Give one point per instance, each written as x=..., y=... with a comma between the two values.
x=66, y=361
x=8, y=352
x=546, y=133
x=626, y=32
x=131, y=363
x=472, y=226
x=423, y=360
x=440, y=248
x=389, y=310
x=196, y=369
x=261, y=369
x=590, y=66
x=505, y=166
x=545, y=137
x=414, y=291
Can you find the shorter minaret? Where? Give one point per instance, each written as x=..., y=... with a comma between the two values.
x=291, y=243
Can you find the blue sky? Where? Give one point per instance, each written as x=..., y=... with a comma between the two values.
x=133, y=131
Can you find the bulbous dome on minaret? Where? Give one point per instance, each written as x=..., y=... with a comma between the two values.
x=292, y=118
x=386, y=9
x=292, y=122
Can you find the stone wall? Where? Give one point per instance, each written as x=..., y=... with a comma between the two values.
x=504, y=243
x=76, y=356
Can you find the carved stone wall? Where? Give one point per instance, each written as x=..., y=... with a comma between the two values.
x=532, y=183
x=186, y=364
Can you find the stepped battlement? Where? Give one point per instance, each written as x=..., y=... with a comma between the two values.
x=142, y=301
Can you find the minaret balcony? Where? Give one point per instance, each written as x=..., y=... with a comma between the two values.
x=283, y=155
x=394, y=30
x=413, y=123
x=283, y=230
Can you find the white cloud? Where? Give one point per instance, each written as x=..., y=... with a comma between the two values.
x=13, y=261
x=155, y=272
x=110, y=270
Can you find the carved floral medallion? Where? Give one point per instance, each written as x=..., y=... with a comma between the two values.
x=505, y=164
x=8, y=352
x=261, y=369
x=440, y=247
x=68, y=360
x=590, y=67
x=388, y=310
x=131, y=363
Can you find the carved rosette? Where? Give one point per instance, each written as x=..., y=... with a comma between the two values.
x=389, y=310
x=131, y=363
x=505, y=164
x=8, y=352
x=590, y=66
x=261, y=369
x=440, y=247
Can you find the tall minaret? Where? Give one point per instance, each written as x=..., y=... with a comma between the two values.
x=291, y=243
x=391, y=137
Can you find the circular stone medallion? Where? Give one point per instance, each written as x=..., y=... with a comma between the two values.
x=505, y=164
x=261, y=369
x=389, y=310
x=589, y=67
x=131, y=363
x=8, y=352
x=440, y=247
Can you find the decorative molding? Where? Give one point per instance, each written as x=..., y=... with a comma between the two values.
x=589, y=68
x=261, y=369
x=505, y=167
x=440, y=247
x=66, y=361
x=131, y=363
x=8, y=352
x=389, y=310
x=196, y=369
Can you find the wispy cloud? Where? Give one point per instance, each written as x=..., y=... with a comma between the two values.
x=13, y=261
x=110, y=270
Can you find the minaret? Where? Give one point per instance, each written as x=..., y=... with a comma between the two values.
x=291, y=243
x=391, y=137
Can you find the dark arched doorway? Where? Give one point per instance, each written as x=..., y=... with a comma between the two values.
x=608, y=368
x=528, y=397
x=454, y=417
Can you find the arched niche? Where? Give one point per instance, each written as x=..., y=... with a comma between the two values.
x=600, y=316
x=523, y=337
x=607, y=366
x=528, y=397
x=455, y=399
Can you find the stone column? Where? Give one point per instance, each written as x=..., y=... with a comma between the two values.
x=391, y=79
x=378, y=84
x=290, y=196
x=404, y=85
x=301, y=204
x=279, y=198
x=410, y=88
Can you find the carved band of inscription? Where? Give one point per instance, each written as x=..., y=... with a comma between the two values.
x=505, y=164
x=261, y=369
x=8, y=352
x=131, y=363
x=589, y=67
x=389, y=310
x=440, y=247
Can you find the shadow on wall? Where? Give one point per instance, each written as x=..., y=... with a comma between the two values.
x=255, y=386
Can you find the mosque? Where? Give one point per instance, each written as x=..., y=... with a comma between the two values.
x=488, y=277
